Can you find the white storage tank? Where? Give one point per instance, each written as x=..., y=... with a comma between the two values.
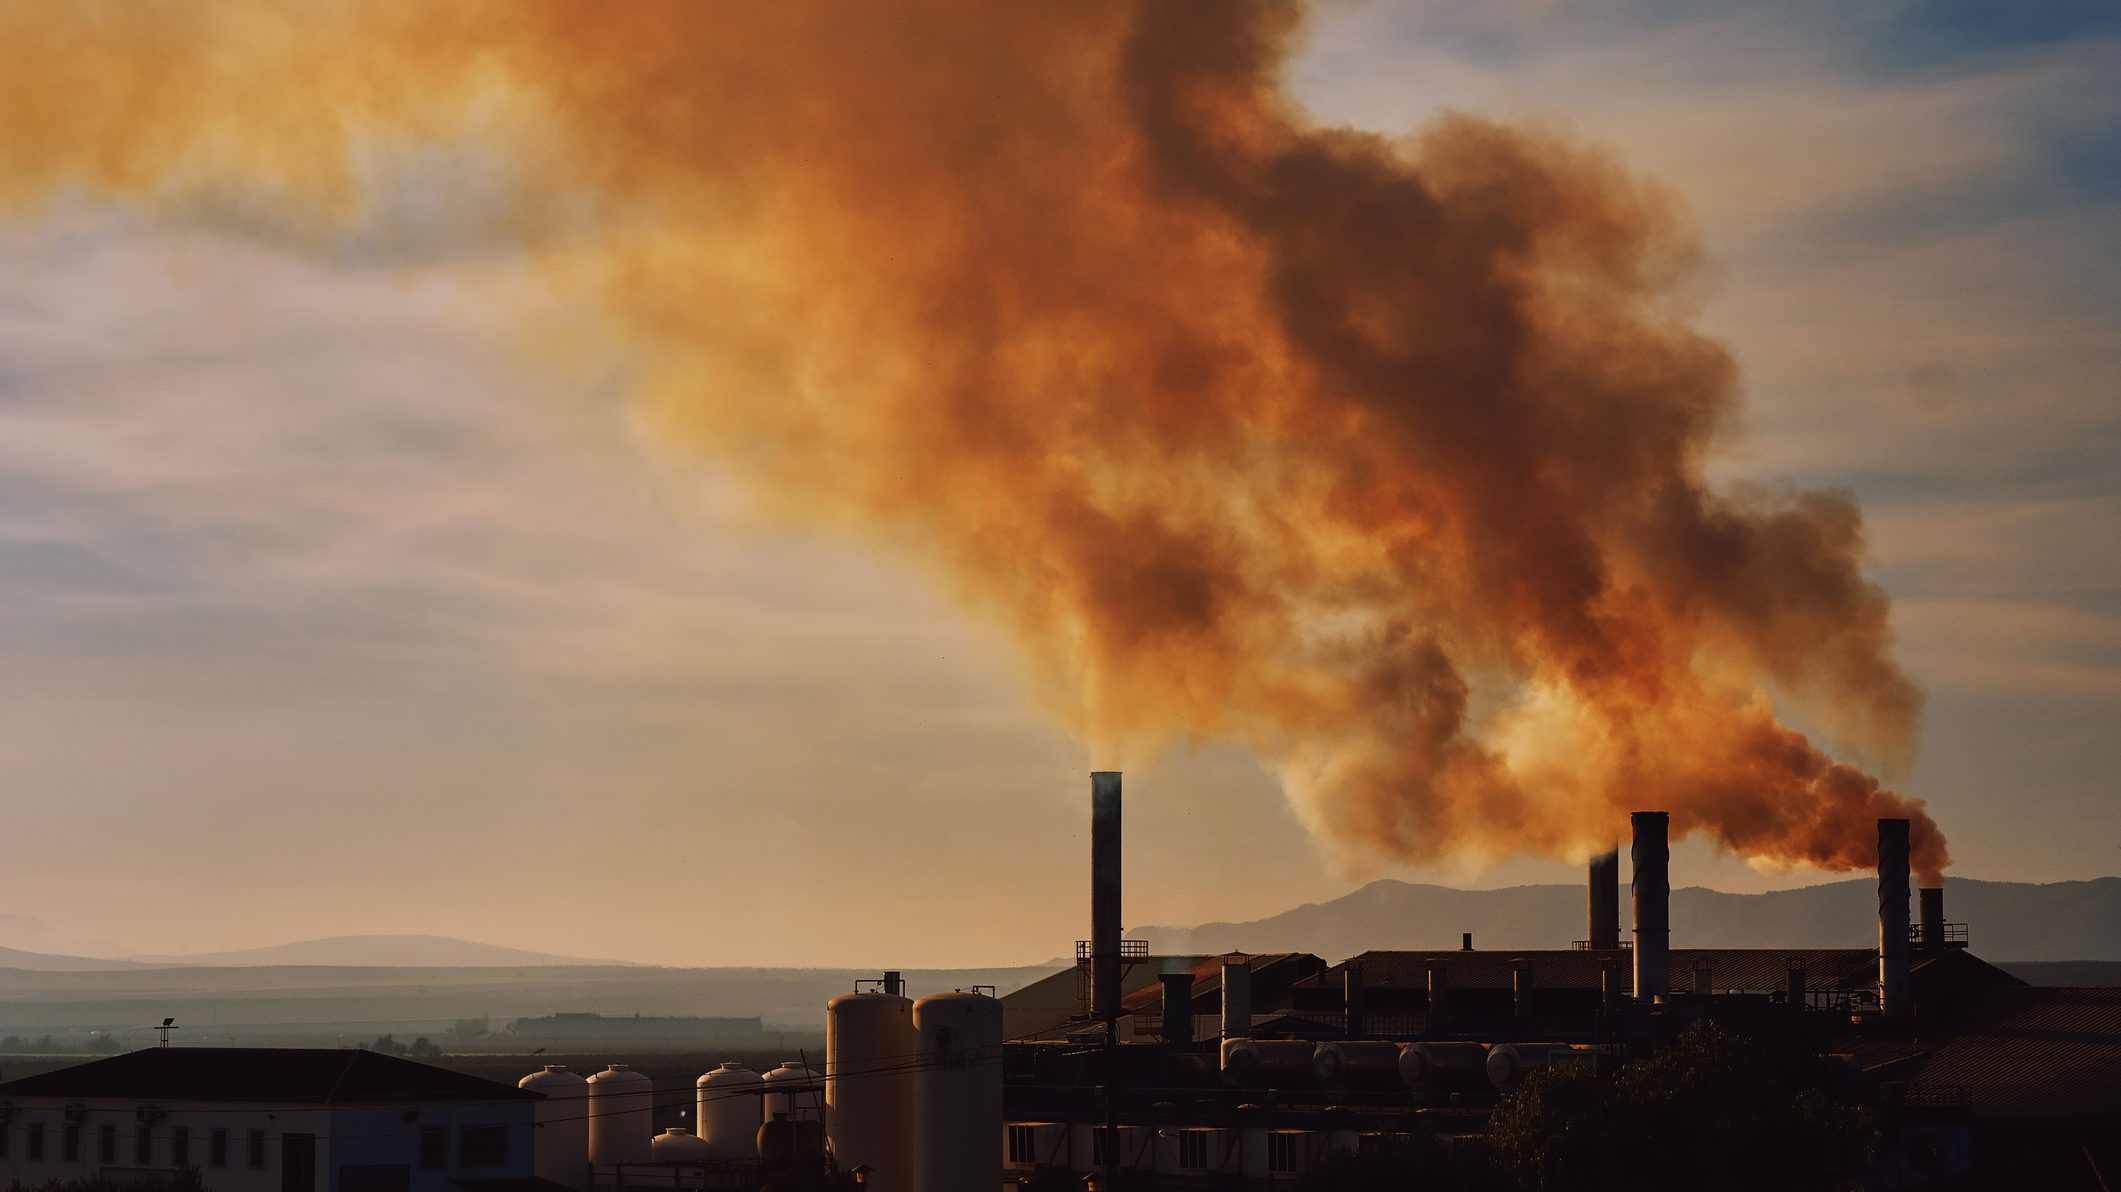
x=957, y=1126
x=560, y=1141
x=621, y=1116
x=726, y=1111
x=796, y=1091
x=869, y=1049
x=679, y=1145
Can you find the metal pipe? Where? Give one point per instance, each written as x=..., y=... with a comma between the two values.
x=1603, y=895
x=1704, y=980
x=1237, y=998
x=1520, y=991
x=1104, y=892
x=1439, y=996
x=1894, y=980
x=1651, y=891
x=1178, y=1010
x=1799, y=991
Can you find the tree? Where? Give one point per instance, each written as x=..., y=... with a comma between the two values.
x=1715, y=1111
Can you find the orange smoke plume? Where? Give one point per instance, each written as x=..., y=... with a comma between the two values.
x=1384, y=459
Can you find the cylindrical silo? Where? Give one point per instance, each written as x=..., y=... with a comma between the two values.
x=957, y=1126
x=869, y=1049
x=560, y=1143
x=679, y=1145
x=621, y=1116
x=795, y=1092
x=726, y=1111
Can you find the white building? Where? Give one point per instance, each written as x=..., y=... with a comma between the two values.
x=270, y=1120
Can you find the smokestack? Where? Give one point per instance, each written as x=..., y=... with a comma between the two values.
x=894, y=982
x=1237, y=999
x=1893, y=979
x=1932, y=916
x=1604, y=892
x=1104, y=892
x=1178, y=1010
x=1797, y=993
x=1351, y=998
x=1609, y=989
x=1520, y=991
x=1439, y=996
x=1651, y=890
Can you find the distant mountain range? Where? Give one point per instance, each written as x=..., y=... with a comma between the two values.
x=361, y=951
x=379, y=951
x=2006, y=921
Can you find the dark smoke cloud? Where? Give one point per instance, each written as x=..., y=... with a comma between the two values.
x=1385, y=459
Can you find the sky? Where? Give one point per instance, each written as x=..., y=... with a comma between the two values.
x=342, y=590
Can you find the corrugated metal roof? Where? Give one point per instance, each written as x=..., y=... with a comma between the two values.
x=1729, y=968
x=2033, y=1053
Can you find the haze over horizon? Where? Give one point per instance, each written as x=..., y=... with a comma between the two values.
x=330, y=608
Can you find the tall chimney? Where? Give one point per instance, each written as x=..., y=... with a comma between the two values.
x=1104, y=892
x=1652, y=893
x=1894, y=982
x=1237, y=998
x=1604, y=892
x=1932, y=898
x=1178, y=1010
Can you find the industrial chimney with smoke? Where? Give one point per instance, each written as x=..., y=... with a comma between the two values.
x=1895, y=984
x=1104, y=893
x=1652, y=890
x=1603, y=890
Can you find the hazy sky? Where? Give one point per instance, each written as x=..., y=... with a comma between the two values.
x=338, y=592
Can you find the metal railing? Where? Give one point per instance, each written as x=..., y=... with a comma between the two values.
x=1954, y=933
x=1128, y=950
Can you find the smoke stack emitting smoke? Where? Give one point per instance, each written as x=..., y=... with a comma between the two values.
x=1384, y=459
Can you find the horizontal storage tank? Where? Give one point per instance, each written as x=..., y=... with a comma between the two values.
x=869, y=1047
x=1510, y=1063
x=560, y=1142
x=679, y=1145
x=795, y=1091
x=621, y=1116
x=1359, y=1062
x=726, y=1111
x=1270, y=1061
x=1443, y=1065
x=957, y=1116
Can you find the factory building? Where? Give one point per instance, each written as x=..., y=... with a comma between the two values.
x=269, y=1120
x=1189, y=1071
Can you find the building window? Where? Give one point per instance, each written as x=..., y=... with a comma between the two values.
x=1104, y=1146
x=256, y=1156
x=434, y=1148
x=1193, y=1149
x=143, y=1145
x=217, y=1147
x=180, y=1146
x=36, y=1142
x=298, y=1163
x=1284, y=1149
x=70, y=1143
x=1023, y=1143
x=482, y=1146
x=106, y=1143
